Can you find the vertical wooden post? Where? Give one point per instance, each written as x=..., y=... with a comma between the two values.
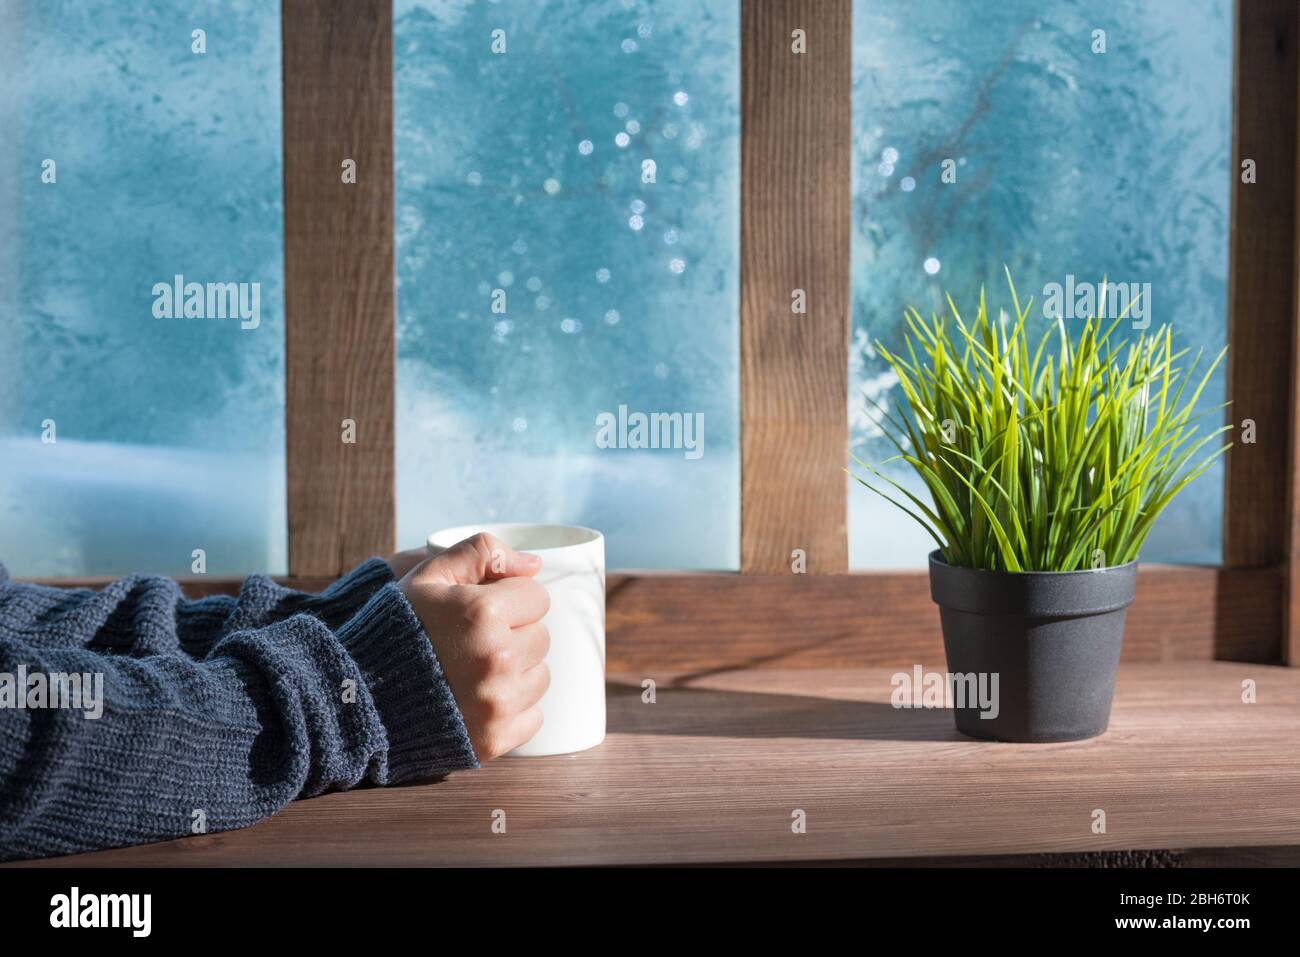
x=1260, y=493
x=1291, y=612
x=339, y=281
x=795, y=211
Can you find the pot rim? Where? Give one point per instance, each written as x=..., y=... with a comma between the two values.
x=1077, y=593
x=936, y=558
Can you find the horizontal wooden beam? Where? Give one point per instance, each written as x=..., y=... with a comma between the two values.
x=706, y=622
x=699, y=622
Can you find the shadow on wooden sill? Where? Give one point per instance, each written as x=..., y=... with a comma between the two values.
x=711, y=712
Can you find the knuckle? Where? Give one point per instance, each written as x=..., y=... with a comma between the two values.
x=501, y=660
x=493, y=702
x=484, y=545
x=484, y=612
x=494, y=743
x=493, y=709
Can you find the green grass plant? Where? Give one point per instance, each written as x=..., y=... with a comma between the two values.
x=1041, y=459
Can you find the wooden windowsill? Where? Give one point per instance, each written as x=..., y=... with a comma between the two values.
x=712, y=771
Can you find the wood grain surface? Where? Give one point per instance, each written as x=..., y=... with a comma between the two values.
x=1261, y=513
x=338, y=282
x=794, y=225
x=715, y=768
x=704, y=622
x=1261, y=305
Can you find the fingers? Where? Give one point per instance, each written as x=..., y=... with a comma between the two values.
x=479, y=558
x=533, y=683
x=482, y=611
x=528, y=724
x=531, y=642
x=511, y=713
x=514, y=601
x=520, y=731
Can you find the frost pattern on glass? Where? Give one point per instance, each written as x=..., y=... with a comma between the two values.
x=1067, y=163
x=567, y=239
x=168, y=433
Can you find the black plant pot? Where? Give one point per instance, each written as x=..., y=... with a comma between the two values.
x=1051, y=638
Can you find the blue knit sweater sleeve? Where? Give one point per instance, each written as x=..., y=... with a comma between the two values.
x=132, y=714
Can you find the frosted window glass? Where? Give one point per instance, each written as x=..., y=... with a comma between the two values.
x=584, y=182
x=168, y=433
x=1067, y=163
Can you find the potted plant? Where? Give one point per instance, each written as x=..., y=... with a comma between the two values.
x=1046, y=469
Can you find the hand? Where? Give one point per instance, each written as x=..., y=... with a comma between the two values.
x=403, y=562
x=482, y=611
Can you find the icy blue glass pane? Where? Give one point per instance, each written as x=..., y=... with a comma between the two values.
x=568, y=257
x=128, y=441
x=1067, y=162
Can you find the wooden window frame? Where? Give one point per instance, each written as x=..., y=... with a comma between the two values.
x=795, y=225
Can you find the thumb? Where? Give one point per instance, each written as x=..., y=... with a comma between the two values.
x=477, y=559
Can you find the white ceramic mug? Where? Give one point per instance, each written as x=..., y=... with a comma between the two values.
x=573, y=572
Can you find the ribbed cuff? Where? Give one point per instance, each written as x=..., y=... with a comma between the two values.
x=346, y=596
x=263, y=601
x=426, y=733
